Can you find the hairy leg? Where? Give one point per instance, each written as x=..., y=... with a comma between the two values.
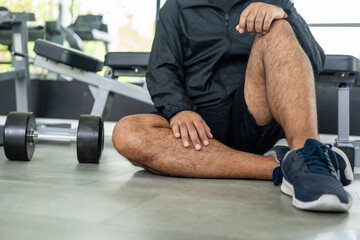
x=147, y=141
x=280, y=84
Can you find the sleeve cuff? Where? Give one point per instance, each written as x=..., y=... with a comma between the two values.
x=171, y=111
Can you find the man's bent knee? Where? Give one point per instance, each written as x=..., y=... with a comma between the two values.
x=131, y=133
x=122, y=134
x=279, y=28
x=280, y=37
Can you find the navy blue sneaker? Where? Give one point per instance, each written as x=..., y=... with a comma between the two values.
x=311, y=179
x=279, y=150
x=338, y=158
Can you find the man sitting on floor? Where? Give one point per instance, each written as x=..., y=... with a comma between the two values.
x=226, y=91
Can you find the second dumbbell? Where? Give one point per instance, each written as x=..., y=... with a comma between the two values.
x=20, y=137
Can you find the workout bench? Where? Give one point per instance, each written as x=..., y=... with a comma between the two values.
x=82, y=67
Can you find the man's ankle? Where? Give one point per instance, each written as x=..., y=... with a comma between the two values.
x=299, y=142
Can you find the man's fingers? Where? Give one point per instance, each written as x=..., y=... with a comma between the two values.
x=201, y=132
x=250, y=22
x=259, y=21
x=257, y=17
x=190, y=126
x=267, y=23
x=176, y=130
x=194, y=136
x=207, y=129
x=184, y=135
x=242, y=23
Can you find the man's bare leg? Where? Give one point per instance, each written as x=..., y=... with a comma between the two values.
x=147, y=141
x=286, y=75
x=280, y=80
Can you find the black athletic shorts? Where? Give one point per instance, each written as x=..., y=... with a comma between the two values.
x=232, y=124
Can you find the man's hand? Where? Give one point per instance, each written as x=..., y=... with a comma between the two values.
x=258, y=17
x=187, y=124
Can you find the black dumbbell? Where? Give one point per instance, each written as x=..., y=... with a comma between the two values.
x=20, y=137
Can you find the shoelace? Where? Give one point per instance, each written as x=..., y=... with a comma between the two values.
x=318, y=161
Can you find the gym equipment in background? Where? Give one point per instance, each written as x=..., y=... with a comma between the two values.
x=82, y=67
x=91, y=28
x=52, y=31
x=343, y=70
x=20, y=137
x=16, y=23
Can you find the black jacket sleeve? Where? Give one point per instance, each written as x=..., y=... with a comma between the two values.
x=306, y=39
x=165, y=73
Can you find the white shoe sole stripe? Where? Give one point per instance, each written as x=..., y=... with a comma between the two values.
x=327, y=202
x=287, y=188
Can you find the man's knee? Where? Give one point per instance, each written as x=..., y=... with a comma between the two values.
x=124, y=134
x=277, y=42
x=132, y=135
x=281, y=25
x=280, y=32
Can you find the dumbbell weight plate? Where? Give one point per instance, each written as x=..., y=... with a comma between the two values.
x=16, y=144
x=90, y=139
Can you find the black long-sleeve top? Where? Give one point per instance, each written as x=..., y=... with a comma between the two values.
x=198, y=58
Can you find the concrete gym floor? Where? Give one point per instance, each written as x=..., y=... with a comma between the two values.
x=54, y=197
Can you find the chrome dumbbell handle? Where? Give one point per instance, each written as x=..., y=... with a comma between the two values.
x=36, y=137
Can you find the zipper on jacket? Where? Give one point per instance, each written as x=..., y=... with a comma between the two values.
x=227, y=19
x=227, y=23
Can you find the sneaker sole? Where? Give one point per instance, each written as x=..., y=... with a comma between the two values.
x=349, y=175
x=325, y=203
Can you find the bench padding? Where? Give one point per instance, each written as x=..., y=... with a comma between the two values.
x=340, y=69
x=341, y=63
x=127, y=60
x=67, y=56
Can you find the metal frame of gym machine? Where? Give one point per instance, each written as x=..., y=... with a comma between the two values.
x=102, y=87
x=21, y=75
x=21, y=64
x=343, y=139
